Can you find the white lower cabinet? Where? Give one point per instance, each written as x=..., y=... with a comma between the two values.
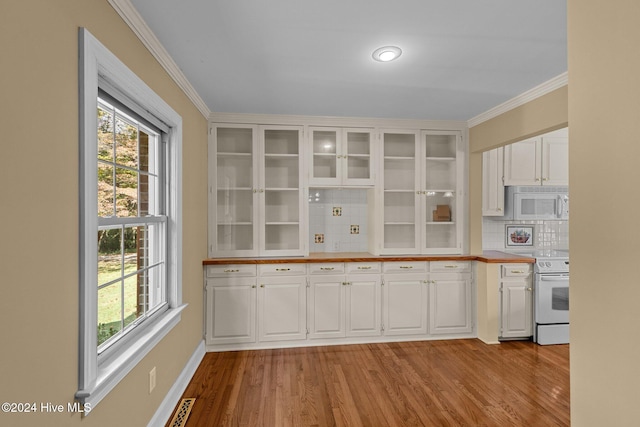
x=450, y=298
x=282, y=308
x=405, y=304
x=231, y=310
x=516, y=308
x=344, y=305
x=276, y=305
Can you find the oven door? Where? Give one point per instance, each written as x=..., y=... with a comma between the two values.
x=552, y=298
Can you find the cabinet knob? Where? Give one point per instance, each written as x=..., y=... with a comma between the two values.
x=231, y=271
x=283, y=269
x=406, y=267
x=326, y=268
x=537, y=179
x=450, y=266
x=262, y=286
x=530, y=289
x=253, y=286
x=364, y=268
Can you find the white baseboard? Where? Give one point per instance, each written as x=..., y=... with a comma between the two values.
x=172, y=398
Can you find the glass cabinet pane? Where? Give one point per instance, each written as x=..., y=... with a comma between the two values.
x=358, y=155
x=234, y=201
x=325, y=152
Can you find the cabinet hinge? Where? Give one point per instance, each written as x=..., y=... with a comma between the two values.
x=382, y=327
x=307, y=331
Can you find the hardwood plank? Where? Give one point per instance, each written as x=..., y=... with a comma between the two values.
x=423, y=383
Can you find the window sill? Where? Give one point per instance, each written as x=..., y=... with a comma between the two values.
x=113, y=370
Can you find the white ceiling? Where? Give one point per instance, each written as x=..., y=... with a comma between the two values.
x=460, y=57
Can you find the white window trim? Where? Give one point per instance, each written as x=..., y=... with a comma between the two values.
x=98, y=376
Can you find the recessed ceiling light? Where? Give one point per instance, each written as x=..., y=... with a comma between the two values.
x=387, y=53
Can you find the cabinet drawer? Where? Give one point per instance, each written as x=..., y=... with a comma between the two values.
x=363, y=267
x=295, y=269
x=516, y=270
x=450, y=266
x=405, y=267
x=231, y=270
x=327, y=268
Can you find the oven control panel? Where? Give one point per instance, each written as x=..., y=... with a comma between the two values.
x=552, y=265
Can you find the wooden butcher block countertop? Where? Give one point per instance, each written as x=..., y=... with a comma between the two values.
x=493, y=257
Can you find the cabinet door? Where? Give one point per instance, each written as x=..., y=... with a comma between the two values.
x=363, y=305
x=232, y=185
x=326, y=307
x=522, y=163
x=516, y=306
x=282, y=304
x=358, y=157
x=450, y=304
x=399, y=203
x=492, y=184
x=326, y=156
x=555, y=160
x=441, y=198
x=231, y=311
x=404, y=305
x=280, y=192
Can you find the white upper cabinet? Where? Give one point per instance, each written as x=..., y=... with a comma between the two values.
x=420, y=199
x=256, y=191
x=341, y=157
x=492, y=185
x=543, y=160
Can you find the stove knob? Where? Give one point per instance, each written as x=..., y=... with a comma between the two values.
x=548, y=264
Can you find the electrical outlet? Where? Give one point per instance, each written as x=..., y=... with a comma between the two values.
x=152, y=379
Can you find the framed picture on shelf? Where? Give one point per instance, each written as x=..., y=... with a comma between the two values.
x=518, y=235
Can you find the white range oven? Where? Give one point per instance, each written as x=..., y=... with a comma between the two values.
x=551, y=298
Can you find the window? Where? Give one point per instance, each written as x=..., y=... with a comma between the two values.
x=131, y=223
x=130, y=220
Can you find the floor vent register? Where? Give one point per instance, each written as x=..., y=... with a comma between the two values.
x=182, y=413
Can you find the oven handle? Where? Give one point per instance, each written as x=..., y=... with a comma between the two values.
x=554, y=278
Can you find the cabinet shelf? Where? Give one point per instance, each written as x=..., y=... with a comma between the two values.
x=281, y=156
x=399, y=158
x=233, y=224
x=440, y=223
x=441, y=159
x=282, y=223
x=233, y=154
x=399, y=223
x=235, y=189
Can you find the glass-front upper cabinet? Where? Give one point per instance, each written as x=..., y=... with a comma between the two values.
x=441, y=196
x=233, y=153
x=256, y=191
x=420, y=201
x=280, y=191
x=341, y=157
x=400, y=191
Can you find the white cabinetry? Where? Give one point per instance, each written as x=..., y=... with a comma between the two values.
x=341, y=157
x=256, y=191
x=344, y=305
x=450, y=298
x=405, y=296
x=516, y=316
x=282, y=304
x=230, y=313
x=239, y=303
x=543, y=160
x=492, y=182
x=421, y=177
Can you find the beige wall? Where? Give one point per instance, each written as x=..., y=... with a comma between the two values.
x=39, y=213
x=604, y=150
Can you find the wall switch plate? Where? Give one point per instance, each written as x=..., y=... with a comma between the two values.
x=152, y=379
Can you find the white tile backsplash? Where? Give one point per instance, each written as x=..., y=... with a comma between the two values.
x=547, y=234
x=337, y=229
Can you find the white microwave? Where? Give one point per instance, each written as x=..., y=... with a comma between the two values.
x=536, y=203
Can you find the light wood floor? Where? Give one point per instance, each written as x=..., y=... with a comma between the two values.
x=427, y=383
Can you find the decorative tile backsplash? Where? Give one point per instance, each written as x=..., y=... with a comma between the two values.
x=547, y=234
x=338, y=220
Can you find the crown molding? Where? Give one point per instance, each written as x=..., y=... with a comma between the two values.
x=530, y=95
x=132, y=18
x=356, y=122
